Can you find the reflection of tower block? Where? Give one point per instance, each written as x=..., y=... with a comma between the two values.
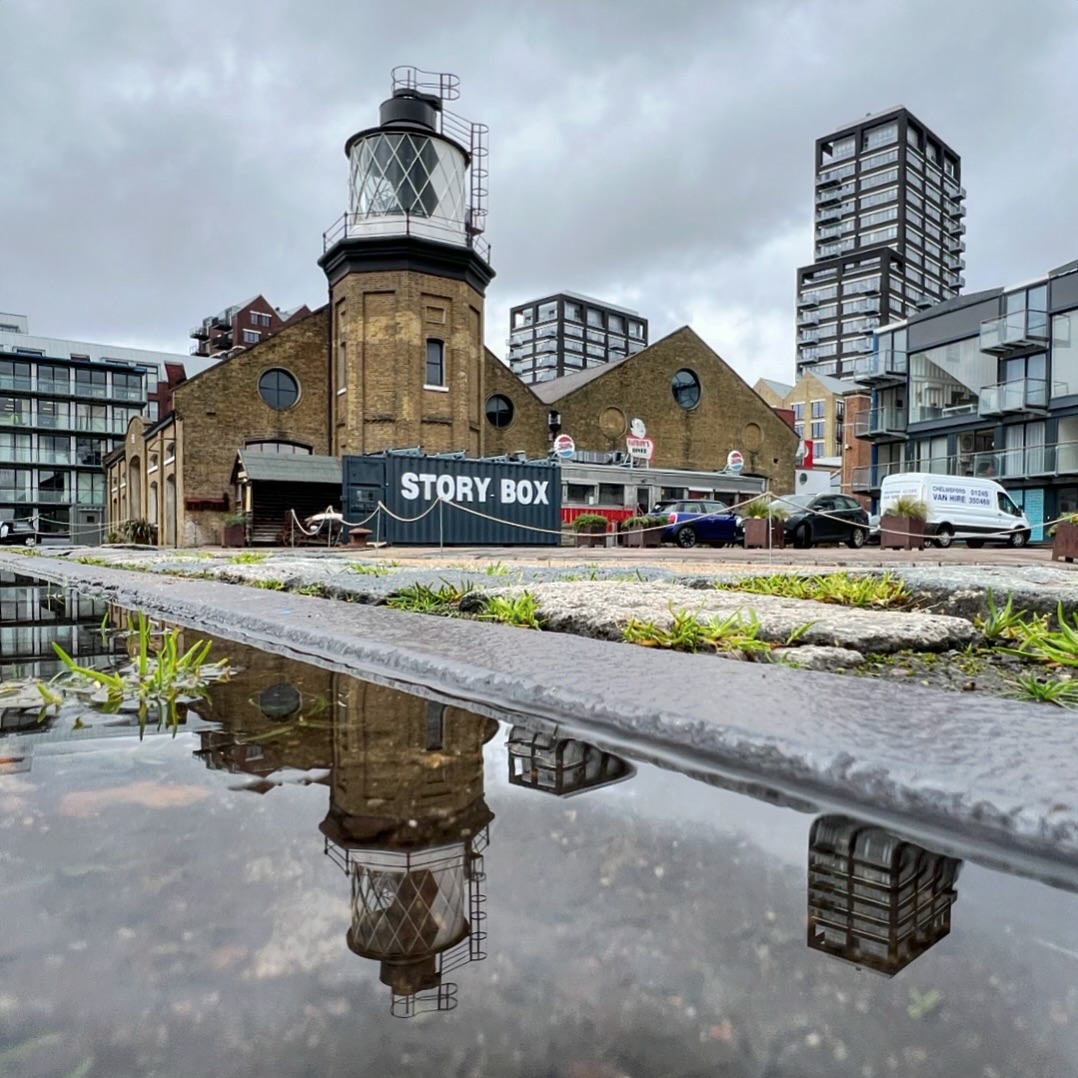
x=874, y=899
x=561, y=766
x=408, y=824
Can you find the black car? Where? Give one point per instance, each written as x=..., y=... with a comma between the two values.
x=824, y=518
x=17, y=531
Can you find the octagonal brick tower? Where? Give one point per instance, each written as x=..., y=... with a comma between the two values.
x=408, y=270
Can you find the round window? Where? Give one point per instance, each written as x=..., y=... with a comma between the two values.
x=686, y=388
x=499, y=411
x=278, y=389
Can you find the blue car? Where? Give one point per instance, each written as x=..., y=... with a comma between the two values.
x=696, y=521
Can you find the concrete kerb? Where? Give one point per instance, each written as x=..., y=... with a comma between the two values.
x=987, y=773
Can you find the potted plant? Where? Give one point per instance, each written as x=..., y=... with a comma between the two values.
x=591, y=529
x=234, y=529
x=757, y=517
x=644, y=530
x=1065, y=539
x=902, y=524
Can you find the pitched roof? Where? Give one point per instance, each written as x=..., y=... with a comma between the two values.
x=780, y=389
x=287, y=467
x=838, y=386
x=556, y=388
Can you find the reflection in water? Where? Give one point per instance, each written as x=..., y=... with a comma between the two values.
x=875, y=899
x=561, y=766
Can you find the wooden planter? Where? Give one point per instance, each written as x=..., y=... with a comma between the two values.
x=1065, y=543
x=587, y=537
x=902, y=533
x=756, y=533
x=642, y=536
x=233, y=534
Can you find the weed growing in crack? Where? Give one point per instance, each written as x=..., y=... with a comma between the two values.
x=1062, y=691
x=423, y=599
x=839, y=588
x=1006, y=623
x=687, y=632
x=249, y=557
x=368, y=570
x=520, y=610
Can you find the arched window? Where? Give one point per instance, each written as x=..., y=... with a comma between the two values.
x=435, y=363
x=278, y=389
x=278, y=447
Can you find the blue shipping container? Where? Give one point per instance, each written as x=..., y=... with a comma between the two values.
x=430, y=500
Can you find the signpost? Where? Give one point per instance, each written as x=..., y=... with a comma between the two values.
x=564, y=447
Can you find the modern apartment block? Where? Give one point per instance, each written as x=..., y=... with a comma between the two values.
x=565, y=333
x=888, y=236
x=985, y=384
x=63, y=406
x=241, y=326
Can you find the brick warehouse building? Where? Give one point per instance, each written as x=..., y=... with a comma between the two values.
x=396, y=357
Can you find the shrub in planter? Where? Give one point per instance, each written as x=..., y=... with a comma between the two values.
x=902, y=525
x=1065, y=539
x=591, y=529
x=234, y=530
x=643, y=530
x=141, y=532
x=757, y=517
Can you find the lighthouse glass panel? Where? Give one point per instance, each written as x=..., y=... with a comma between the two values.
x=406, y=174
x=686, y=389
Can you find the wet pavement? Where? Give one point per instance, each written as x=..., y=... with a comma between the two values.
x=320, y=875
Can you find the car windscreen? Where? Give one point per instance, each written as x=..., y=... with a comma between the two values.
x=793, y=502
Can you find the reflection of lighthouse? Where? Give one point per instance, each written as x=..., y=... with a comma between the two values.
x=408, y=823
x=875, y=899
x=561, y=766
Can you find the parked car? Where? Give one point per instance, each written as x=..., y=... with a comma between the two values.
x=17, y=531
x=970, y=508
x=697, y=521
x=824, y=518
x=873, y=529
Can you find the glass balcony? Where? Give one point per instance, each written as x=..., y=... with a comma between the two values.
x=808, y=336
x=809, y=318
x=1013, y=332
x=51, y=457
x=1008, y=398
x=53, y=496
x=126, y=393
x=881, y=368
x=867, y=479
x=16, y=455
x=882, y=425
x=11, y=381
x=95, y=391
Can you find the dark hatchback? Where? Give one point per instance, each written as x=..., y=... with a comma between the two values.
x=697, y=521
x=824, y=518
x=17, y=531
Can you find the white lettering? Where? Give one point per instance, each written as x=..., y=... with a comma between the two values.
x=409, y=486
x=464, y=488
x=446, y=486
x=428, y=480
x=524, y=492
x=540, y=492
x=481, y=486
x=509, y=492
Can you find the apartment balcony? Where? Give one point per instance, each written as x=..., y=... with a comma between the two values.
x=807, y=301
x=882, y=425
x=1014, y=332
x=221, y=321
x=955, y=227
x=18, y=384
x=808, y=318
x=1023, y=395
x=222, y=342
x=199, y=349
x=200, y=333
x=886, y=368
x=1031, y=462
x=808, y=336
x=828, y=196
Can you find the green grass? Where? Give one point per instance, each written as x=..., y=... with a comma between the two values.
x=687, y=632
x=520, y=610
x=423, y=599
x=1062, y=691
x=1038, y=643
x=368, y=570
x=249, y=557
x=838, y=588
x=1006, y=623
x=497, y=568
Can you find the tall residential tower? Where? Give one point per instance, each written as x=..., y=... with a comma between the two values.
x=888, y=236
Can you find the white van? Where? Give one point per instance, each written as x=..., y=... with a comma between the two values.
x=960, y=507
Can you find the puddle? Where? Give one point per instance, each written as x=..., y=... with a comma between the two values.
x=322, y=876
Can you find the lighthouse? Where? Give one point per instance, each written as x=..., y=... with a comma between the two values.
x=408, y=268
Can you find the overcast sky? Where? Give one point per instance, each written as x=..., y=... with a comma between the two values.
x=164, y=160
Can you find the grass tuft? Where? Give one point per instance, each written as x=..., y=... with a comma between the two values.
x=520, y=610
x=838, y=588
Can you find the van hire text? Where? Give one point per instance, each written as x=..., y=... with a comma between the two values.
x=469, y=488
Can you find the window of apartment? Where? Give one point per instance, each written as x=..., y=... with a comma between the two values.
x=914, y=220
x=52, y=485
x=799, y=429
x=14, y=484
x=798, y=410
x=14, y=412
x=913, y=137
x=862, y=284
x=595, y=318
x=435, y=371
x=879, y=235
x=879, y=197
x=932, y=152
x=840, y=173
x=88, y=451
x=1065, y=354
x=90, y=488
x=840, y=150
x=573, y=361
x=828, y=310
x=596, y=350
x=573, y=346
x=818, y=409
x=547, y=312
x=28, y=351
x=877, y=217
x=523, y=318
x=15, y=448
x=574, y=312
x=817, y=430
x=881, y=179
x=878, y=161
x=283, y=448
x=91, y=383
x=53, y=380
x=913, y=254
x=572, y=331
x=946, y=381
x=881, y=135
x=55, y=414
x=950, y=167
x=14, y=375
x=549, y=332
x=615, y=323
x=636, y=329
x=251, y=336
x=127, y=387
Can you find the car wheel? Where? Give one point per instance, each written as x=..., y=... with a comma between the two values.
x=944, y=537
x=975, y=544
x=803, y=537
x=857, y=538
x=31, y=540
x=1018, y=539
x=685, y=537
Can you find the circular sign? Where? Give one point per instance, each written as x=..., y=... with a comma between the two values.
x=734, y=461
x=637, y=429
x=564, y=446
